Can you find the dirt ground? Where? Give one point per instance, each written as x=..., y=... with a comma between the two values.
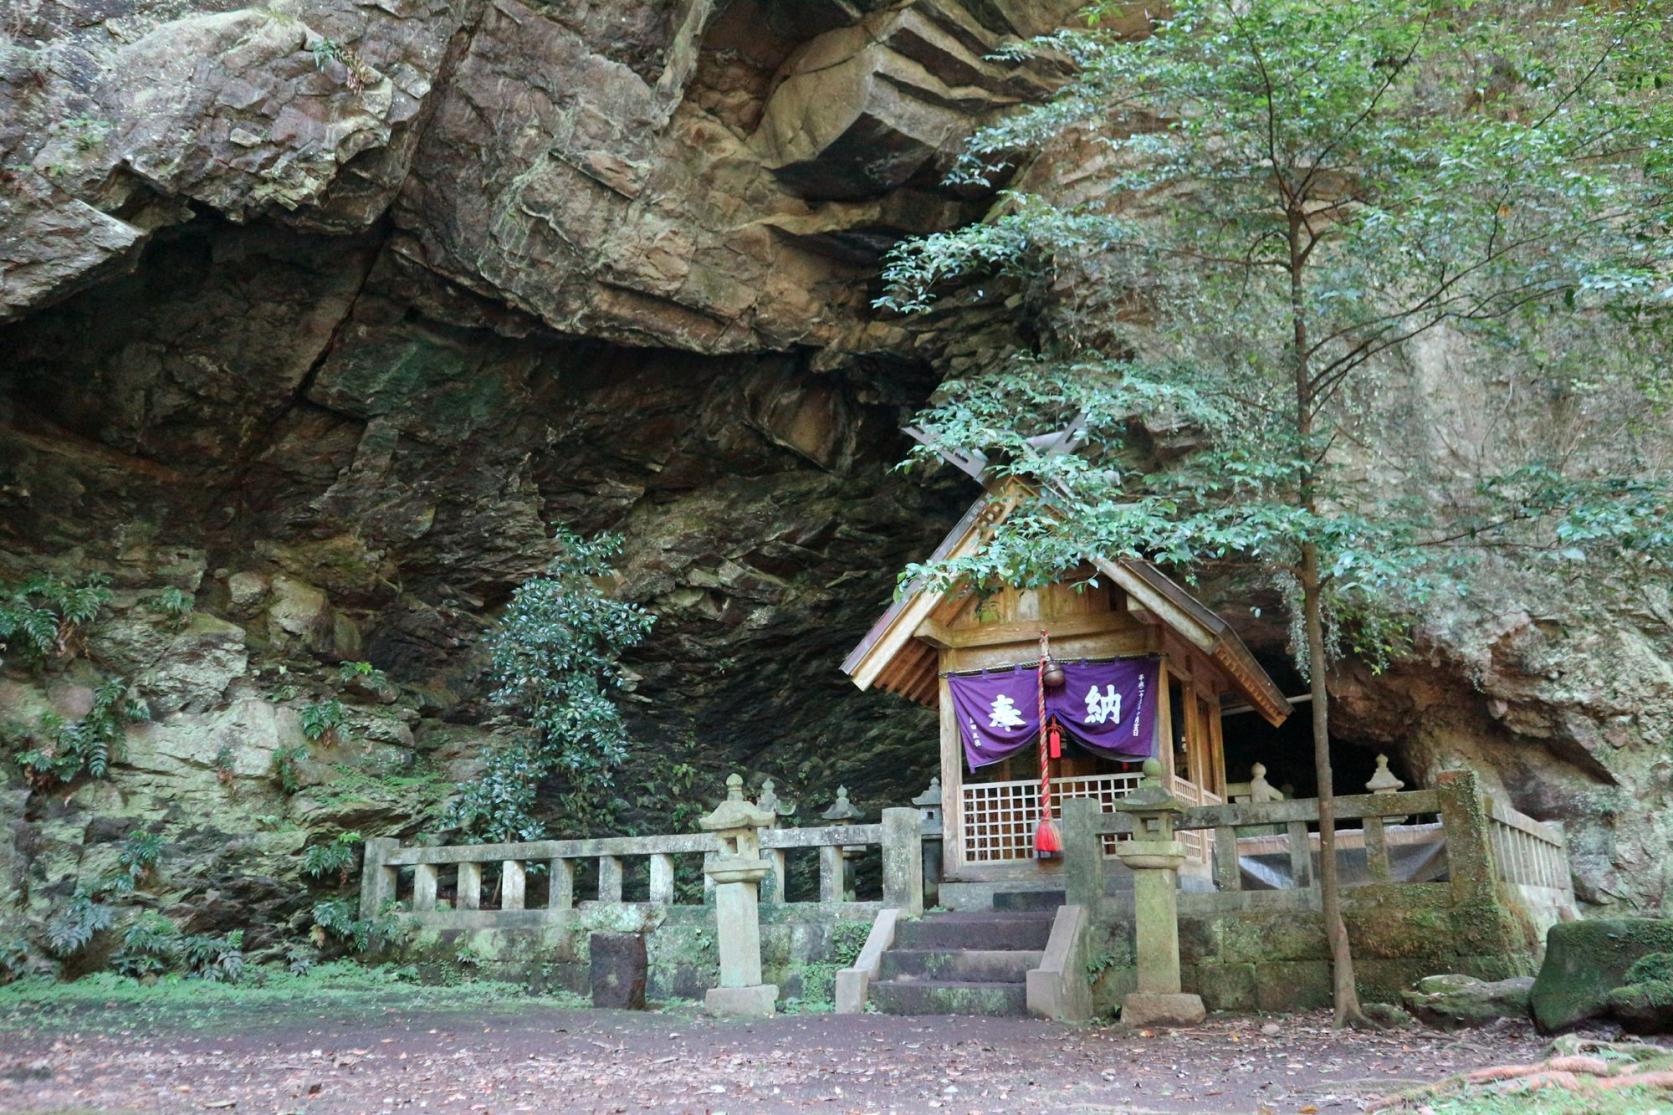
x=549, y=1060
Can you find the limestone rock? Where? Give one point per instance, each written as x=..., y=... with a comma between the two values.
x=1454, y=1001
x=1586, y=960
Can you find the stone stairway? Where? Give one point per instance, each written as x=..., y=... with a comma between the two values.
x=967, y=962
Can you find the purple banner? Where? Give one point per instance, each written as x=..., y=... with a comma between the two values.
x=1109, y=708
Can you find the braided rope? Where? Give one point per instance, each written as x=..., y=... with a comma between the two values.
x=1045, y=751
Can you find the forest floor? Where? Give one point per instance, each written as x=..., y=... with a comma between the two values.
x=453, y=1050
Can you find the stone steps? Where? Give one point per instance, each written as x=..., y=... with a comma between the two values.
x=967, y=961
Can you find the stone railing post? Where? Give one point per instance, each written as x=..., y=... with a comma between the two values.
x=903, y=861
x=1154, y=857
x=377, y=878
x=1083, y=853
x=1464, y=817
x=737, y=870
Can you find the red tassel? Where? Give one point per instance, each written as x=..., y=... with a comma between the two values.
x=1047, y=843
x=1056, y=740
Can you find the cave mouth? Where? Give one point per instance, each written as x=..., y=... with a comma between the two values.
x=1287, y=750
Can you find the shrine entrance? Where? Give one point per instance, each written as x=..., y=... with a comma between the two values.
x=1147, y=668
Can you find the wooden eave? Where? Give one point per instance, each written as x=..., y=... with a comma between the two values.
x=895, y=657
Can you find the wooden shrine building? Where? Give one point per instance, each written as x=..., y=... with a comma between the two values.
x=928, y=640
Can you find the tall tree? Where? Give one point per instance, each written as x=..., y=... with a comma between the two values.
x=1274, y=202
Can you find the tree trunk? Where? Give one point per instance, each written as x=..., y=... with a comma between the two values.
x=1344, y=992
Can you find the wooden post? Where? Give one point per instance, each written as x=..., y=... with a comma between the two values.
x=469, y=896
x=952, y=784
x=1228, y=875
x=377, y=878
x=609, y=878
x=1164, y=726
x=424, y=886
x=560, y=893
x=511, y=884
x=1376, y=849
x=1301, y=855
x=662, y=879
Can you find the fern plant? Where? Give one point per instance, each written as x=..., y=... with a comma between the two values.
x=361, y=671
x=216, y=959
x=336, y=857
x=173, y=604
x=337, y=920
x=138, y=856
x=150, y=947
x=322, y=721
x=74, y=924
x=63, y=749
x=285, y=761
x=41, y=618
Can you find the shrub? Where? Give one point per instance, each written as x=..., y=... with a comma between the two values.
x=336, y=919
x=555, y=657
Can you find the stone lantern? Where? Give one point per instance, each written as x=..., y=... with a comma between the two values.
x=1154, y=857
x=736, y=871
x=843, y=812
x=928, y=805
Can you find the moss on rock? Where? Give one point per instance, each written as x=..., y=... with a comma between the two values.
x=1586, y=960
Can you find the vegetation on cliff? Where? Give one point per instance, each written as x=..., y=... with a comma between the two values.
x=1295, y=196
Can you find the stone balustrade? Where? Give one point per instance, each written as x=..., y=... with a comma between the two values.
x=415, y=877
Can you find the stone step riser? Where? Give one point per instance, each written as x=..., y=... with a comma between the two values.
x=991, y=999
x=973, y=934
x=968, y=966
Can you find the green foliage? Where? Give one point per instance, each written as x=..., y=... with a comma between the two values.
x=335, y=858
x=41, y=618
x=322, y=721
x=818, y=978
x=554, y=658
x=224, y=764
x=73, y=925
x=172, y=603
x=14, y=958
x=62, y=750
x=138, y=857
x=284, y=766
x=152, y=945
x=351, y=671
x=1278, y=225
x=360, y=74
x=337, y=921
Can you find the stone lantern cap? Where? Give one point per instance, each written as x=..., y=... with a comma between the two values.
x=842, y=809
x=735, y=812
x=930, y=798
x=1383, y=781
x=1151, y=796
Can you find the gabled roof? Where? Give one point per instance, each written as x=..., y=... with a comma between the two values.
x=893, y=658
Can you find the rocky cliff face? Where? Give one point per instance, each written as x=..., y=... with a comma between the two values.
x=324, y=313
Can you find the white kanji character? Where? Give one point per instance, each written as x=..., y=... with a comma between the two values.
x=1005, y=714
x=1103, y=707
